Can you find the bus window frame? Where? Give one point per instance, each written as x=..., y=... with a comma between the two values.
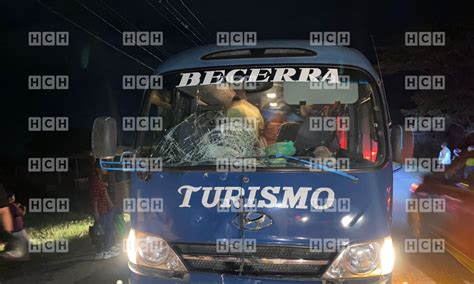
x=380, y=101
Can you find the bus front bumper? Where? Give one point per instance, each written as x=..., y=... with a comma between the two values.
x=204, y=277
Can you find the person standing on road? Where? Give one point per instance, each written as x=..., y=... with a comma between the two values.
x=469, y=164
x=18, y=211
x=5, y=216
x=456, y=153
x=444, y=157
x=103, y=211
x=16, y=248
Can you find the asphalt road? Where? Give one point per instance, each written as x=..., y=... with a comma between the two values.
x=79, y=267
x=419, y=268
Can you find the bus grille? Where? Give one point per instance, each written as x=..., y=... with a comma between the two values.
x=266, y=260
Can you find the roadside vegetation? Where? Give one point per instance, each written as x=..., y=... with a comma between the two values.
x=42, y=227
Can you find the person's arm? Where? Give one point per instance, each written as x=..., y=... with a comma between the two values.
x=442, y=153
x=6, y=218
x=21, y=209
x=5, y=215
x=95, y=209
x=109, y=201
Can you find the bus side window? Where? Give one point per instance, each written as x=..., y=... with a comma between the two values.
x=342, y=134
x=369, y=143
x=182, y=105
x=159, y=107
x=155, y=111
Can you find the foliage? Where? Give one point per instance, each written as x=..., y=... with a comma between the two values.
x=454, y=61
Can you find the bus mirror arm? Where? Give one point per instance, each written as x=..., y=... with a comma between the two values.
x=402, y=141
x=104, y=138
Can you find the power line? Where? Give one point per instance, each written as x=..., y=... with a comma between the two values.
x=195, y=17
x=171, y=22
x=186, y=23
x=115, y=28
x=162, y=49
x=94, y=35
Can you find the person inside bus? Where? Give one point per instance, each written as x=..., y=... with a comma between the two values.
x=241, y=107
x=308, y=139
x=280, y=118
x=279, y=122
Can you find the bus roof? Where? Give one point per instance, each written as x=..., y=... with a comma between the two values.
x=193, y=58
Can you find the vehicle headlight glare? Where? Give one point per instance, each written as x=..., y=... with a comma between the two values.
x=363, y=260
x=152, y=251
x=387, y=256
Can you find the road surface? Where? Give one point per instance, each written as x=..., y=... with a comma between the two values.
x=423, y=268
x=79, y=267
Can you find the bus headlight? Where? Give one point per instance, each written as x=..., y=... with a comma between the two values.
x=152, y=251
x=363, y=260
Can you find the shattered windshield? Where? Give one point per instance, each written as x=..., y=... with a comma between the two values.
x=314, y=114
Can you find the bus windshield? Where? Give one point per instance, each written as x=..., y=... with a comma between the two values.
x=324, y=113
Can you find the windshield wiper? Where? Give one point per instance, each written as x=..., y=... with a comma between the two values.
x=318, y=166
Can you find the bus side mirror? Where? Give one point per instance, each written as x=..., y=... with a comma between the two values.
x=104, y=138
x=402, y=143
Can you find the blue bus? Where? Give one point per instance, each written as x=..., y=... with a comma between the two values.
x=269, y=163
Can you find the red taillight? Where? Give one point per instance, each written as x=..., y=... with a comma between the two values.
x=414, y=187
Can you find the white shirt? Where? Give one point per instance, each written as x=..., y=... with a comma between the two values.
x=445, y=156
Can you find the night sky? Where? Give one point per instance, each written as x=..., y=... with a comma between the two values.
x=96, y=69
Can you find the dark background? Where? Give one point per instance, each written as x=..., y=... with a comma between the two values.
x=96, y=69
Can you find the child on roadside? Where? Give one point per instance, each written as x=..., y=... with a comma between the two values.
x=103, y=212
x=18, y=212
x=15, y=248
